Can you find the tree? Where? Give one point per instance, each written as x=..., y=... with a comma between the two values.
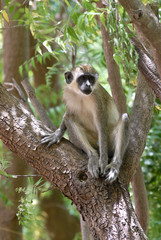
x=14, y=38
x=114, y=216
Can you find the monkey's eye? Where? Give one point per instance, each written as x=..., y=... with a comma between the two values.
x=68, y=77
x=85, y=77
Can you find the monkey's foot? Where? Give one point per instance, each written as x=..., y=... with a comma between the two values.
x=93, y=167
x=103, y=162
x=112, y=174
x=52, y=138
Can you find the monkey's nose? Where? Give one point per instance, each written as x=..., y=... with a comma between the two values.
x=88, y=84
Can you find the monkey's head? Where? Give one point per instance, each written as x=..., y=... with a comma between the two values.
x=82, y=78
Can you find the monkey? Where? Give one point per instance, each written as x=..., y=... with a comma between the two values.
x=93, y=123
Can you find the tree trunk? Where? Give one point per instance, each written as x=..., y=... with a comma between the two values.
x=15, y=52
x=60, y=224
x=106, y=208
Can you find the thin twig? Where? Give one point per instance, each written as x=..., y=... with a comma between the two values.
x=74, y=54
x=15, y=85
x=36, y=104
x=32, y=175
x=3, y=28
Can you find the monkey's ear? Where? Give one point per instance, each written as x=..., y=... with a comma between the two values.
x=68, y=77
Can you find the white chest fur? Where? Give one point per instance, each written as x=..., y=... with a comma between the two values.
x=80, y=105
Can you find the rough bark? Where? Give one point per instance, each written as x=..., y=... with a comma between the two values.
x=107, y=209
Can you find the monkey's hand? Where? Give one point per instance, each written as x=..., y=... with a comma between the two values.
x=93, y=166
x=112, y=174
x=53, y=137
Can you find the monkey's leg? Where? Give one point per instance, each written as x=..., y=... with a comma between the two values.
x=77, y=136
x=121, y=142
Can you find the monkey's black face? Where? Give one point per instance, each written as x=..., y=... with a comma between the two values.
x=86, y=83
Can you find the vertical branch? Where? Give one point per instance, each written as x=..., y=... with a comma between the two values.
x=74, y=54
x=139, y=128
x=147, y=23
x=141, y=201
x=114, y=77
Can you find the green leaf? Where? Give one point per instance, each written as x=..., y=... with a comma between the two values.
x=72, y=33
x=33, y=63
x=26, y=65
x=103, y=20
x=5, y=15
x=117, y=58
x=87, y=5
x=67, y=3
x=39, y=58
x=11, y=9
x=47, y=45
x=21, y=70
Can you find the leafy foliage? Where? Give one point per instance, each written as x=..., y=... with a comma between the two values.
x=29, y=211
x=5, y=183
x=56, y=25
x=152, y=168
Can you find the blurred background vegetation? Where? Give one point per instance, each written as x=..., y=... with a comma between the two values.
x=55, y=28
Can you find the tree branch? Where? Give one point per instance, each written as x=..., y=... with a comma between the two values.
x=148, y=24
x=147, y=66
x=66, y=168
x=114, y=77
x=139, y=125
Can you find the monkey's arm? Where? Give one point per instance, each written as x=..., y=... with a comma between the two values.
x=56, y=136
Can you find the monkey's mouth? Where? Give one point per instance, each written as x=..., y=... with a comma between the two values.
x=87, y=91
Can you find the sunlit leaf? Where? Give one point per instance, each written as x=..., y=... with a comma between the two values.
x=36, y=14
x=5, y=15
x=67, y=3
x=47, y=45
